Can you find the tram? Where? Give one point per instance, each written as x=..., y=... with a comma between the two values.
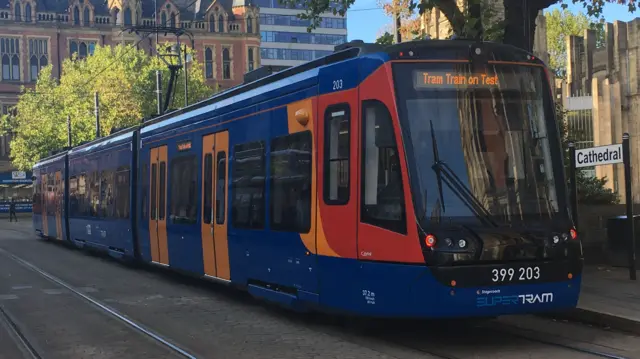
x=417, y=180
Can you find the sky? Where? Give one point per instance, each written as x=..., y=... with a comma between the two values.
x=365, y=18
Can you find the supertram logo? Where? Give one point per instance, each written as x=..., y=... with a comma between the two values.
x=521, y=299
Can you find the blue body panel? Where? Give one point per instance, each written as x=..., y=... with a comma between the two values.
x=262, y=256
x=105, y=233
x=56, y=163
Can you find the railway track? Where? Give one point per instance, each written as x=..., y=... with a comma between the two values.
x=29, y=349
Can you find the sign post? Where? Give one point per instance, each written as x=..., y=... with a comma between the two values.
x=604, y=155
x=573, y=186
x=627, y=185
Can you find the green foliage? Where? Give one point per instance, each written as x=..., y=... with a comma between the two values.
x=591, y=190
x=125, y=81
x=561, y=24
x=385, y=39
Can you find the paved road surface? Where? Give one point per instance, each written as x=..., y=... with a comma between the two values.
x=212, y=321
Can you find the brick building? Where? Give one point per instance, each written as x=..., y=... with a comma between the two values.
x=36, y=33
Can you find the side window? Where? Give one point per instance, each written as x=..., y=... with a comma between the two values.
x=336, y=156
x=154, y=190
x=122, y=192
x=220, y=184
x=95, y=194
x=163, y=190
x=184, y=182
x=144, y=191
x=291, y=182
x=382, y=193
x=106, y=194
x=82, y=193
x=73, y=193
x=208, y=177
x=247, y=188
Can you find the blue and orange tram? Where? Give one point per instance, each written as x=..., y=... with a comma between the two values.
x=423, y=179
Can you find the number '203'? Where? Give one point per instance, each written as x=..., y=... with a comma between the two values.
x=337, y=84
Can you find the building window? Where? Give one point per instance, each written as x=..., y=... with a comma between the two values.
x=27, y=12
x=220, y=23
x=291, y=158
x=76, y=15
x=184, y=187
x=38, y=57
x=208, y=61
x=250, y=58
x=9, y=50
x=249, y=24
x=226, y=64
x=163, y=18
x=172, y=20
x=247, y=188
x=212, y=24
x=337, y=154
x=382, y=190
x=83, y=48
x=17, y=11
x=127, y=17
x=86, y=18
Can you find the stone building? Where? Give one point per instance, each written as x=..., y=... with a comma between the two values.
x=36, y=33
x=606, y=80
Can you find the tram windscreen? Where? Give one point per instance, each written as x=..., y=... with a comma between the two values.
x=481, y=144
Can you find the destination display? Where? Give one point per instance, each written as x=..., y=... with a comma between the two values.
x=596, y=156
x=458, y=80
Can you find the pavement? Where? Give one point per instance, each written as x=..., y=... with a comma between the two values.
x=608, y=298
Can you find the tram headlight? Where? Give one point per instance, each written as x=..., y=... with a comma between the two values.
x=462, y=243
x=565, y=237
x=556, y=239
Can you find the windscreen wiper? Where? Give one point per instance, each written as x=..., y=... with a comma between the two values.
x=457, y=187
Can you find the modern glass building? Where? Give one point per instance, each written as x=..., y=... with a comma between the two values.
x=285, y=40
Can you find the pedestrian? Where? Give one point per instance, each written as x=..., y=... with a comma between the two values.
x=12, y=211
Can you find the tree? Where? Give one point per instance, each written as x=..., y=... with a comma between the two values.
x=385, y=39
x=519, y=15
x=561, y=24
x=591, y=190
x=125, y=80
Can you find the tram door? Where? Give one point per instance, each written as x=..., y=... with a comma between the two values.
x=44, y=196
x=215, y=248
x=58, y=204
x=158, y=206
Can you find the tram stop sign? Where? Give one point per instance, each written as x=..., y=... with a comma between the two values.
x=597, y=156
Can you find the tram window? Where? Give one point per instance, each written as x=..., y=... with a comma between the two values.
x=154, y=194
x=144, y=191
x=382, y=191
x=73, y=193
x=336, y=163
x=291, y=158
x=247, y=187
x=107, y=194
x=220, y=185
x=184, y=186
x=163, y=190
x=122, y=192
x=208, y=177
x=94, y=193
x=80, y=198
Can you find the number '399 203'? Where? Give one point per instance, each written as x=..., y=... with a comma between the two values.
x=509, y=274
